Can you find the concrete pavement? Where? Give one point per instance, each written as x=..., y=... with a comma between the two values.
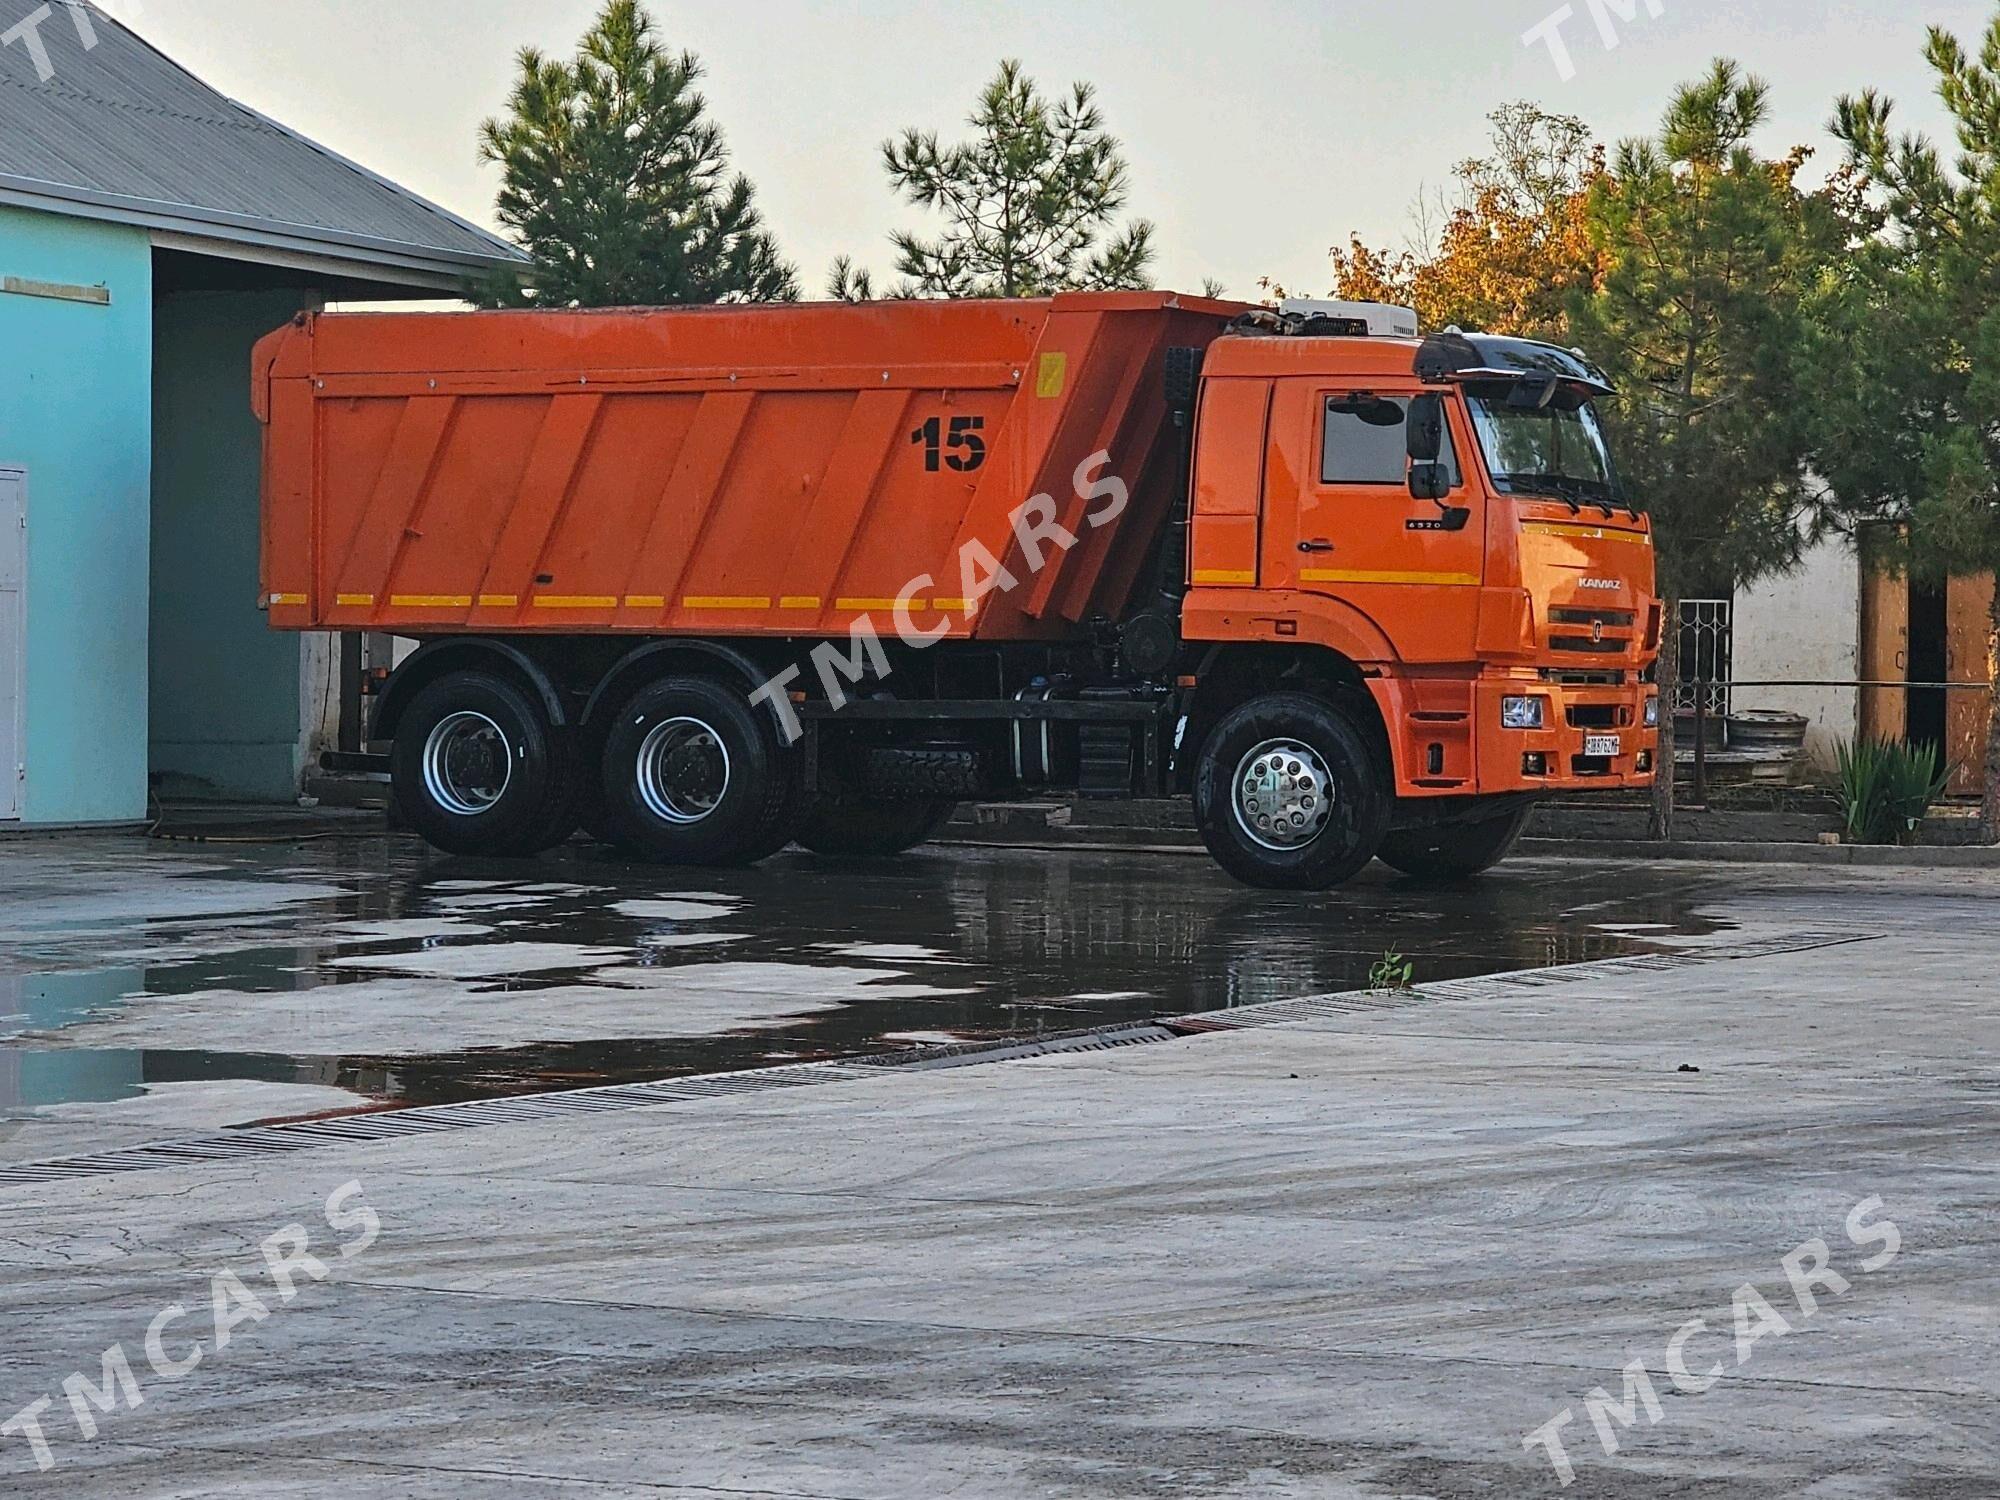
x=1360, y=1251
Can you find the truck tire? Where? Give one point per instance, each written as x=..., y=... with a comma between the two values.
x=842, y=824
x=932, y=774
x=565, y=809
x=477, y=769
x=692, y=776
x=783, y=826
x=1290, y=796
x=590, y=814
x=1454, y=851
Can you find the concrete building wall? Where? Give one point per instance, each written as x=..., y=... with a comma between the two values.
x=76, y=413
x=1805, y=626
x=237, y=708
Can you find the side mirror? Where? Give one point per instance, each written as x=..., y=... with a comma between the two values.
x=1429, y=480
x=1425, y=431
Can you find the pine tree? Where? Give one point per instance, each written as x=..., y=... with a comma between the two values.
x=1709, y=255
x=1908, y=424
x=1030, y=202
x=616, y=181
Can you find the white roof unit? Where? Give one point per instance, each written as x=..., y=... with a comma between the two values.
x=1380, y=319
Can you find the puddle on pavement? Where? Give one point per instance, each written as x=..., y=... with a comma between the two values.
x=204, y=991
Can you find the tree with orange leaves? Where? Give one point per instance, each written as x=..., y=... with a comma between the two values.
x=1514, y=247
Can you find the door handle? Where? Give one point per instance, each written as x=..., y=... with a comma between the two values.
x=1320, y=544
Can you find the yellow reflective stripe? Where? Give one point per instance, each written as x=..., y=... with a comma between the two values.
x=499, y=601
x=799, y=601
x=430, y=601
x=724, y=603
x=861, y=605
x=953, y=606
x=645, y=601
x=1353, y=575
x=1571, y=531
x=288, y=599
x=574, y=601
x=354, y=601
x=1225, y=575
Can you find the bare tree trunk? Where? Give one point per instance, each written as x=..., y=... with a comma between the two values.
x=1989, y=812
x=1661, y=827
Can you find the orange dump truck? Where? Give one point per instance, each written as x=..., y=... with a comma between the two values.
x=706, y=582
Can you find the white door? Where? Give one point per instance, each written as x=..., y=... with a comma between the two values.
x=13, y=637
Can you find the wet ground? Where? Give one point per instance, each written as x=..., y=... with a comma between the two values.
x=183, y=987
x=1361, y=1249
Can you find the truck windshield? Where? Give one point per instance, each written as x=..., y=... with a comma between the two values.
x=1559, y=450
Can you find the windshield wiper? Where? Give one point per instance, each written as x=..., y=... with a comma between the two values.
x=1560, y=486
x=1578, y=492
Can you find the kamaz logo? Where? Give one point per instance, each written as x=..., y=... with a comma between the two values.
x=1610, y=585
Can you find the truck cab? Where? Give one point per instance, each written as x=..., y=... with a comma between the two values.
x=1445, y=514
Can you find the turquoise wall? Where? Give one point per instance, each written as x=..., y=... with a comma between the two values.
x=76, y=412
x=226, y=710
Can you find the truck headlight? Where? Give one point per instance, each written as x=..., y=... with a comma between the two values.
x=1524, y=713
x=1653, y=713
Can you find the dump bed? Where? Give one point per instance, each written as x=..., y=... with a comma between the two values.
x=711, y=471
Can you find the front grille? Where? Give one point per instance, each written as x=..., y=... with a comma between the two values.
x=1599, y=716
x=1585, y=645
x=1572, y=677
x=1611, y=619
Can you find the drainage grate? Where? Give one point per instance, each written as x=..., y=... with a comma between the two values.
x=972, y=1054
x=277, y=1140
x=1499, y=986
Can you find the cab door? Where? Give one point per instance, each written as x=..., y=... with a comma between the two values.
x=1342, y=521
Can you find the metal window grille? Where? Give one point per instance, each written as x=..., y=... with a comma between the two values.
x=1707, y=652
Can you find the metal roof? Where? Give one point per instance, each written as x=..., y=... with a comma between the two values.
x=121, y=132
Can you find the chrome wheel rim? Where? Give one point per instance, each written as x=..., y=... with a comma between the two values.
x=684, y=771
x=1283, y=794
x=468, y=764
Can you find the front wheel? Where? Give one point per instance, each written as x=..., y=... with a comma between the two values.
x=1290, y=796
x=1455, y=851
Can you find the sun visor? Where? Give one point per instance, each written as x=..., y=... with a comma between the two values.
x=1456, y=357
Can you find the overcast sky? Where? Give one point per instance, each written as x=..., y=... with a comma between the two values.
x=1260, y=131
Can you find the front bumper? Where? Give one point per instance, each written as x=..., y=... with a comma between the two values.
x=1556, y=757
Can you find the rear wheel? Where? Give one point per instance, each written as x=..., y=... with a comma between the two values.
x=692, y=775
x=1289, y=796
x=477, y=768
x=1455, y=851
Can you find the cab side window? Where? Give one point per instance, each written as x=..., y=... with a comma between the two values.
x=1365, y=442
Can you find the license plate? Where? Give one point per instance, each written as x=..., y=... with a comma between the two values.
x=1604, y=746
